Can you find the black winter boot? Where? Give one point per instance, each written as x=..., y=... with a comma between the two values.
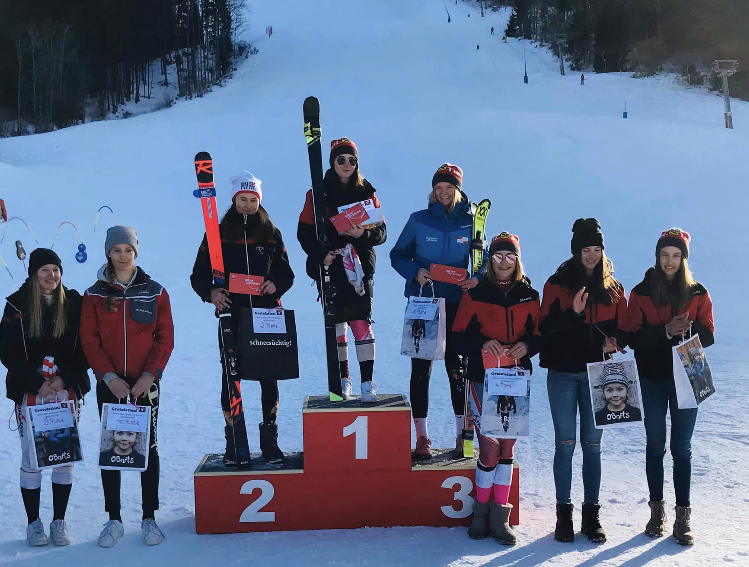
x=230, y=454
x=480, y=523
x=657, y=524
x=269, y=444
x=682, y=527
x=564, y=530
x=591, y=525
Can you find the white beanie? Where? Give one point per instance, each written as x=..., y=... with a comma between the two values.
x=246, y=183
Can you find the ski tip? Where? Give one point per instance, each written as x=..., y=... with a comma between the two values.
x=335, y=397
x=311, y=105
x=200, y=156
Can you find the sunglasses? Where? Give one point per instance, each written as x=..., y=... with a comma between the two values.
x=511, y=258
x=341, y=160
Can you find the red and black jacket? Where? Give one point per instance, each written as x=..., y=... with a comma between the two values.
x=23, y=355
x=572, y=340
x=137, y=338
x=647, y=327
x=247, y=255
x=486, y=312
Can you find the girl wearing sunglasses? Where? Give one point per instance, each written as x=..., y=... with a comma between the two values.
x=583, y=318
x=351, y=259
x=499, y=315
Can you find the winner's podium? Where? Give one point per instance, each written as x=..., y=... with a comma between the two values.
x=356, y=471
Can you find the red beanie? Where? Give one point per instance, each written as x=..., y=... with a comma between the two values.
x=449, y=173
x=674, y=237
x=505, y=241
x=342, y=146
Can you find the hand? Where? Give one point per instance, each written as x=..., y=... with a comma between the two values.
x=268, y=288
x=119, y=388
x=423, y=276
x=469, y=283
x=610, y=345
x=519, y=350
x=142, y=386
x=329, y=258
x=220, y=298
x=57, y=384
x=494, y=347
x=355, y=231
x=679, y=325
x=581, y=298
x=46, y=390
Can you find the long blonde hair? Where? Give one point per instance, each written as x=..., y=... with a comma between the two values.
x=456, y=199
x=518, y=274
x=36, y=307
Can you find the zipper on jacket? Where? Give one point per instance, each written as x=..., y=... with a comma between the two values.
x=507, y=323
x=246, y=253
x=124, y=325
x=512, y=324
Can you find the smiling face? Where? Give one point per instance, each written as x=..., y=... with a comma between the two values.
x=503, y=264
x=615, y=395
x=670, y=258
x=590, y=256
x=48, y=277
x=124, y=442
x=123, y=257
x=247, y=203
x=445, y=193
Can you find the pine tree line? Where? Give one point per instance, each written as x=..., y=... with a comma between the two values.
x=57, y=57
x=641, y=36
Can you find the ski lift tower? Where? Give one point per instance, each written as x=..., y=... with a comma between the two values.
x=559, y=39
x=725, y=68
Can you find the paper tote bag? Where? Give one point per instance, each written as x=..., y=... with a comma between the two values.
x=424, y=328
x=692, y=375
x=268, y=347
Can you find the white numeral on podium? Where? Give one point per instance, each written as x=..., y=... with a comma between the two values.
x=359, y=430
x=462, y=495
x=252, y=512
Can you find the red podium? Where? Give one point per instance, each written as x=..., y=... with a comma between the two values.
x=356, y=471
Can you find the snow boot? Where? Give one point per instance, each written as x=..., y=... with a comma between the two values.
x=230, y=454
x=591, y=525
x=423, y=449
x=499, y=523
x=682, y=528
x=269, y=443
x=564, y=530
x=657, y=525
x=480, y=522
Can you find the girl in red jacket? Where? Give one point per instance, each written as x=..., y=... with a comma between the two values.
x=664, y=307
x=128, y=336
x=499, y=315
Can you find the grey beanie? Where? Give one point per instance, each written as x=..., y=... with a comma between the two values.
x=120, y=234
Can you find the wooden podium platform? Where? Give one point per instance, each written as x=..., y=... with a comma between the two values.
x=356, y=471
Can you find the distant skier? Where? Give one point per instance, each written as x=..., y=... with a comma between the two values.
x=492, y=30
x=3, y=212
x=582, y=79
x=504, y=39
x=448, y=18
x=477, y=47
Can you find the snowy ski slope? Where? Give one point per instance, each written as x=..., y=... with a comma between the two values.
x=412, y=91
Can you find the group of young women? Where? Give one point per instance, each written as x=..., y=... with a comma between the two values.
x=123, y=329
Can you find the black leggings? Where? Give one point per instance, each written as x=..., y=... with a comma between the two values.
x=149, y=479
x=421, y=370
x=268, y=398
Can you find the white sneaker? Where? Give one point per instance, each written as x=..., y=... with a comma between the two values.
x=35, y=535
x=112, y=531
x=368, y=392
x=58, y=533
x=152, y=535
x=346, y=390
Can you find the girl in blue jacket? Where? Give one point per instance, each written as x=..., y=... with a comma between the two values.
x=439, y=234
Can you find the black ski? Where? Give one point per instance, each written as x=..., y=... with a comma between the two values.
x=206, y=192
x=312, y=134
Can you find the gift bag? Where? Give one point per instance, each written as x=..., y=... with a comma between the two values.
x=505, y=408
x=425, y=328
x=692, y=375
x=125, y=437
x=268, y=346
x=615, y=394
x=54, y=430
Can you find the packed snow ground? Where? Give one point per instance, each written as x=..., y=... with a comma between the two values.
x=412, y=91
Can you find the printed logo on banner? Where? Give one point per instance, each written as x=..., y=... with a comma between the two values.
x=462, y=240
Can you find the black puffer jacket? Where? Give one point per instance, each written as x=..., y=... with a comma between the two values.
x=23, y=356
x=247, y=255
x=349, y=305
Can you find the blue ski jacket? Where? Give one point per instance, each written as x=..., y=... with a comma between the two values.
x=431, y=236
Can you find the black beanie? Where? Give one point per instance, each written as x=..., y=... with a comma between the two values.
x=41, y=257
x=586, y=232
